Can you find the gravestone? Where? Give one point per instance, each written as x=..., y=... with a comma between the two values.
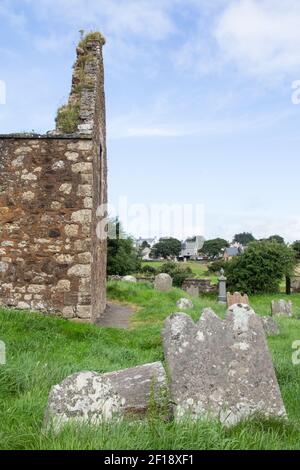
x=184, y=304
x=193, y=291
x=237, y=298
x=270, y=326
x=163, y=282
x=129, y=279
x=221, y=369
x=295, y=284
x=222, y=297
x=282, y=308
x=91, y=398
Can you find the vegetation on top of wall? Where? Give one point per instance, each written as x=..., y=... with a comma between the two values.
x=68, y=116
x=91, y=36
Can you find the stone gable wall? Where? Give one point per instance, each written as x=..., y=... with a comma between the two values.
x=50, y=188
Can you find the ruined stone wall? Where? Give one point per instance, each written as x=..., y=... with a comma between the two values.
x=50, y=189
x=204, y=285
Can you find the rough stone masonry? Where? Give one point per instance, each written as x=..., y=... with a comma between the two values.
x=50, y=188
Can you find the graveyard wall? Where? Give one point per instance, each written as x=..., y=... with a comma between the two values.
x=204, y=285
x=50, y=188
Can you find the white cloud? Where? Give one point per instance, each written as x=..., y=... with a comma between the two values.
x=150, y=124
x=262, y=37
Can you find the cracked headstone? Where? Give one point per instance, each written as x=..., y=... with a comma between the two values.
x=92, y=398
x=270, y=326
x=221, y=368
x=282, y=308
x=184, y=304
x=163, y=282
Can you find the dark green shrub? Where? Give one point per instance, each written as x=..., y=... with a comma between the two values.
x=149, y=270
x=177, y=272
x=261, y=268
x=216, y=266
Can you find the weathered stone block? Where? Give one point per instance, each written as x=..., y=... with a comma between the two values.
x=91, y=398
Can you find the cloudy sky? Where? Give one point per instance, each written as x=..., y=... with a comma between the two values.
x=199, y=100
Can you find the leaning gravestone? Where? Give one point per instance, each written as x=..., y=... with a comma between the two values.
x=184, y=304
x=282, y=308
x=163, y=282
x=237, y=298
x=91, y=398
x=221, y=369
x=270, y=326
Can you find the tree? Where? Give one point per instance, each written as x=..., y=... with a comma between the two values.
x=166, y=247
x=212, y=248
x=144, y=245
x=261, y=268
x=122, y=257
x=277, y=239
x=244, y=238
x=296, y=248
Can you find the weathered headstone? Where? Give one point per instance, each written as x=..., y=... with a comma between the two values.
x=295, y=284
x=129, y=279
x=270, y=326
x=237, y=298
x=92, y=398
x=282, y=308
x=184, y=304
x=221, y=369
x=163, y=282
x=193, y=291
x=222, y=297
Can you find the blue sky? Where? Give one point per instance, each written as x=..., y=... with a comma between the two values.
x=199, y=99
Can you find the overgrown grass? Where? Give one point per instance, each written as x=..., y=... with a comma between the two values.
x=42, y=351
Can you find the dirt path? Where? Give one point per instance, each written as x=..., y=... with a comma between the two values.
x=116, y=315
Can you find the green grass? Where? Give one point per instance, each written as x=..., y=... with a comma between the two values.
x=42, y=351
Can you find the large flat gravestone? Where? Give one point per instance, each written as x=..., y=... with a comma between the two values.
x=237, y=298
x=91, y=398
x=282, y=308
x=163, y=282
x=221, y=369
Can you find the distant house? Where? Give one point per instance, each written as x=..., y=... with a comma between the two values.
x=232, y=251
x=190, y=248
x=146, y=254
x=143, y=241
